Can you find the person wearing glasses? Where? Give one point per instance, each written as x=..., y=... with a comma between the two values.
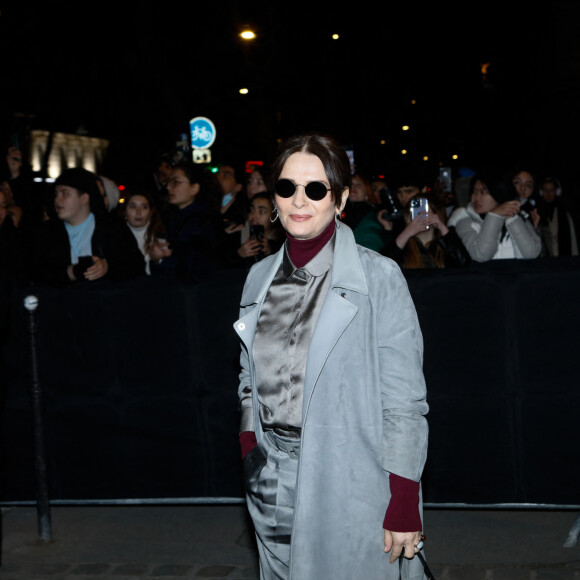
x=189, y=250
x=333, y=427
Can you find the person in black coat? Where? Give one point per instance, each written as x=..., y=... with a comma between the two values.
x=78, y=245
x=191, y=226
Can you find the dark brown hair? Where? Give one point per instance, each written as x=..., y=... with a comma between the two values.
x=333, y=156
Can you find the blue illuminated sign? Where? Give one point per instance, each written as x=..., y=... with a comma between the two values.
x=202, y=132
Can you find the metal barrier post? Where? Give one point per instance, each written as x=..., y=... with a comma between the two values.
x=42, y=503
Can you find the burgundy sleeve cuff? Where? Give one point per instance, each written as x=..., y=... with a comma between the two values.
x=403, y=511
x=247, y=442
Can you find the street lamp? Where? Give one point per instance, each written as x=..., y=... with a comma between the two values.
x=247, y=34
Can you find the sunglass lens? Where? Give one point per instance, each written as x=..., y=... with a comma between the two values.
x=285, y=188
x=316, y=190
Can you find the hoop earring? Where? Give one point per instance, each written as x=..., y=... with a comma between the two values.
x=276, y=217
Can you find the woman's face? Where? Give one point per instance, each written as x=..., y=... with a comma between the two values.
x=549, y=191
x=302, y=217
x=180, y=191
x=260, y=212
x=524, y=184
x=358, y=190
x=138, y=211
x=481, y=199
x=255, y=184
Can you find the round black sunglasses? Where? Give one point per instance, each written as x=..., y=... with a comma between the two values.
x=315, y=190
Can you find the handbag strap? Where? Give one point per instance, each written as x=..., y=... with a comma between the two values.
x=428, y=572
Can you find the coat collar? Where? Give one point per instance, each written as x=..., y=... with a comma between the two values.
x=347, y=270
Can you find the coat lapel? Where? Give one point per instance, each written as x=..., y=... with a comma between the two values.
x=253, y=295
x=335, y=315
x=337, y=311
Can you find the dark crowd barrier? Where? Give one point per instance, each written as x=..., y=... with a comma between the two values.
x=139, y=387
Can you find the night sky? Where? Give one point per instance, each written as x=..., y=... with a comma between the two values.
x=136, y=77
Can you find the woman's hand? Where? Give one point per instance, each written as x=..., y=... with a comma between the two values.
x=387, y=224
x=99, y=269
x=418, y=225
x=266, y=249
x=395, y=541
x=233, y=228
x=251, y=247
x=507, y=209
x=159, y=250
x=434, y=220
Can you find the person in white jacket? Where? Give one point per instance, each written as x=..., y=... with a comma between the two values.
x=491, y=226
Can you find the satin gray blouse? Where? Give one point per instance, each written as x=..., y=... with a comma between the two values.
x=285, y=326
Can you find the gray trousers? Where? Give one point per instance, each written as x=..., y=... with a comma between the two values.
x=270, y=472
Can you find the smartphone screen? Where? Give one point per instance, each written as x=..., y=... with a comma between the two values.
x=445, y=178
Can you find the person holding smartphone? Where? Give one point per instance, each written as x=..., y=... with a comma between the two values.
x=265, y=237
x=141, y=232
x=75, y=245
x=423, y=239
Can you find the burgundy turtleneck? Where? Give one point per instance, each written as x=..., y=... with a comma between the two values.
x=302, y=251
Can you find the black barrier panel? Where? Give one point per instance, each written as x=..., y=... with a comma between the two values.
x=463, y=320
x=139, y=385
x=548, y=323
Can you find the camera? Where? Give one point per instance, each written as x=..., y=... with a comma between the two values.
x=390, y=206
x=527, y=207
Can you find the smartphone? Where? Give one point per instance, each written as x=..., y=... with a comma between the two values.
x=85, y=262
x=418, y=205
x=445, y=178
x=257, y=232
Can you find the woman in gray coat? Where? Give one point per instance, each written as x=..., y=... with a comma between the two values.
x=332, y=393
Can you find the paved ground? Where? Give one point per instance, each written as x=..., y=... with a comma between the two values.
x=211, y=542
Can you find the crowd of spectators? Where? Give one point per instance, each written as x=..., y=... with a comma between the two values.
x=188, y=221
x=180, y=223
x=422, y=222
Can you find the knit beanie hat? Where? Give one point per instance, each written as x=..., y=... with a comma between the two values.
x=86, y=182
x=79, y=178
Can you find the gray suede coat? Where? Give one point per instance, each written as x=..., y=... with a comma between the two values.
x=363, y=415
